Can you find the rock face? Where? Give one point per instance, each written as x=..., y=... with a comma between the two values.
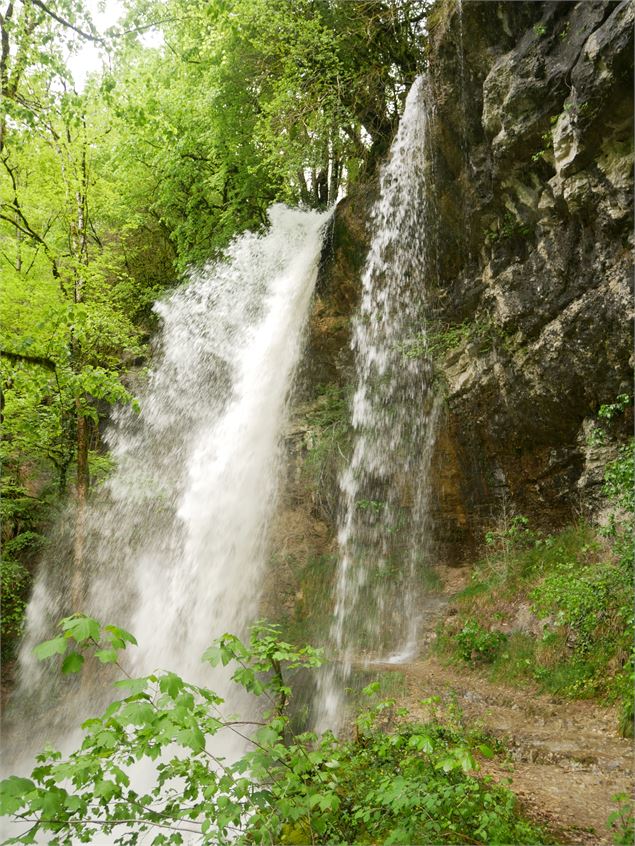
x=530, y=236
x=531, y=175
x=303, y=547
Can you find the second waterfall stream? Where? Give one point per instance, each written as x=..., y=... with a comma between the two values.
x=383, y=532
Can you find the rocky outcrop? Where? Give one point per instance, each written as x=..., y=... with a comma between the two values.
x=531, y=173
x=529, y=239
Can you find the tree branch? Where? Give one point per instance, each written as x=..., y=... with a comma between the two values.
x=30, y=359
x=90, y=36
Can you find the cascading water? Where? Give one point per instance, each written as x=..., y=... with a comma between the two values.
x=175, y=540
x=383, y=534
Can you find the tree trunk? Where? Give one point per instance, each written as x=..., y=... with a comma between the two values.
x=334, y=180
x=305, y=196
x=82, y=485
x=79, y=237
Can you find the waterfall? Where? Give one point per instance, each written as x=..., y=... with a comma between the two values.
x=176, y=538
x=383, y=534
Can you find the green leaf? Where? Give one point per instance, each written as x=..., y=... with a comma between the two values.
x=421, y=742
x=212, y=655
x=120, y=634
x=267, y=736
x=13, y=792
x=192, y=737
x=133, y=685
x=81, y=628
x=56, y=646
x=138, y=713
x=329, y=802
x=72, y=663
x=106, y=656
x=171, y=684
x=105, y=789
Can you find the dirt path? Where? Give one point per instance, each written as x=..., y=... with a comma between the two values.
x=566, y=759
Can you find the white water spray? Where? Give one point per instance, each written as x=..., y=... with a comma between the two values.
x=176, y=541
x=382, y=531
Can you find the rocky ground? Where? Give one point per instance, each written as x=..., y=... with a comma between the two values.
x=563, y=758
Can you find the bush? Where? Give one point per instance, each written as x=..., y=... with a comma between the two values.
x=581, y=589
x=15, y=580
x=475, y=643
x=622, y=820
x=414, y=784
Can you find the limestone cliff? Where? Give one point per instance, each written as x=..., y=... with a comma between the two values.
x=528, y=243
x=531, y=140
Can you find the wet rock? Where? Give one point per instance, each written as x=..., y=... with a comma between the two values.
x=533, y=227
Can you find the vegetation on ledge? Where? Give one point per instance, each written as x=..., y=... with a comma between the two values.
x=556, y=609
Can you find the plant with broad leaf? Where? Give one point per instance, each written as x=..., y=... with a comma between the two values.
x=416, y=783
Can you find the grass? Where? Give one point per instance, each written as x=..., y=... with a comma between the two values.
x=555, y=611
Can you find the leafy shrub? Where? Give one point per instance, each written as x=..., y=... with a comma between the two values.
x=416, y=784
x=573, y=582
x=622, y=820
x=618, y=480
x=586, y=601
x=475, y=643
x=15, y=581
x=510, y=535
x=508, y=228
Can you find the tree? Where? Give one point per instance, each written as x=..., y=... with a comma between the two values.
x=60, y=281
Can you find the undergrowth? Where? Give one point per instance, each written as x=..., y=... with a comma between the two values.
x=556, y=609
x=392, y=782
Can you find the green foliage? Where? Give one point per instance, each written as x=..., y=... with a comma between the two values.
x=513, y=533
x=618, y=480
x=251, y=104
x=610, y=411
x=414, y=784
x=578, y=594
x=327, y=440
x=375, y=506
x=546, y=139
x=622, y=820
x=23, y=517
x=475, y=643
x=589, y=602
x=508, y=228
x=607, y=414
x=86, y=633
x=15, y=581
x=330, y=409
x=438, y=341
x=435, y=343
x=309, y=615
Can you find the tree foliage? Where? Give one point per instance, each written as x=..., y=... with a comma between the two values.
x=108, y=194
